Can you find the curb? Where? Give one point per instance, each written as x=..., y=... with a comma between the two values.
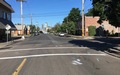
x=113, y=54
x=9, y=43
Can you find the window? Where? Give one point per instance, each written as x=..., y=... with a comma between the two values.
x=4, y=15
x=8, y=16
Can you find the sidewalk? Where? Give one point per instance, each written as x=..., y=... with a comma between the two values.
x=114, y=43
x=16, y=39
x=4, y=44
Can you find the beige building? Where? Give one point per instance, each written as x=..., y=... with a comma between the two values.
x=22, y=29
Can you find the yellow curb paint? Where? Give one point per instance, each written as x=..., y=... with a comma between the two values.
x=16, y=72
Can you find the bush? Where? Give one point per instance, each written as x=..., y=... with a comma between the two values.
x=92, y=30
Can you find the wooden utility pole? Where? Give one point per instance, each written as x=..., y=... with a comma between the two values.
x=83, y=20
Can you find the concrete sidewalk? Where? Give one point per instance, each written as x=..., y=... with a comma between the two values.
x=4, y=44
x=114, y=50
x=16, y=39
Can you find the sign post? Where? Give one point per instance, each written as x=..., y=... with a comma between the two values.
x=7, y=27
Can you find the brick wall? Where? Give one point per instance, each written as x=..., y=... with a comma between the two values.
x=92, y=21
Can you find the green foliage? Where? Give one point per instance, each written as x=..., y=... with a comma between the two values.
x=107, y=10
x=69, y=23
x=71, y=28
x=90, y=12
x=32, y=28
x=91, y=30
x=38, y=29
x=57, y=28
x=74, y=15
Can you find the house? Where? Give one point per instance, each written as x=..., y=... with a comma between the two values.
x=92, y=21
x=5, y=19
x=22, y=29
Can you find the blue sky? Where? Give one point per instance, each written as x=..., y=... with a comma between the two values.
x=50, y=11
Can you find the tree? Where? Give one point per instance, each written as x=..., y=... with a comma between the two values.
x=38, y=29
x=32, y=28
x=107, y=10
x=90, y=12
x=74, y=15
x=64, y=27
x=72, y=19
x=71, y=28
x=57, y=28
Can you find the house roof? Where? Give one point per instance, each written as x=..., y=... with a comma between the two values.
x=5, y=4
x=20, y=27
x=4, y=22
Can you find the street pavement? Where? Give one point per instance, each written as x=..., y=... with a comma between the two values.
x=53, y=55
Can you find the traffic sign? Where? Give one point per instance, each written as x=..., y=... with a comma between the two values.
x=7, y=27
x=7, y=32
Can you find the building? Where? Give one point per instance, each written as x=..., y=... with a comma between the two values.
x=45, y=28
x=92, y=21
x=5, y=19
x=22, y=29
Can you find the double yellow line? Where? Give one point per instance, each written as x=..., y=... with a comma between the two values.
x=19, y=67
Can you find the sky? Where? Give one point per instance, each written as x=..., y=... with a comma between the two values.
x=50, y=11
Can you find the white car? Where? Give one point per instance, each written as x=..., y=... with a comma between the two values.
x=62, y=34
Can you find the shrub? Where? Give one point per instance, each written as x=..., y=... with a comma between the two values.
x=92, y=30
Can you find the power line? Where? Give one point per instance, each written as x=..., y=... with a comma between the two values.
x=42, y=15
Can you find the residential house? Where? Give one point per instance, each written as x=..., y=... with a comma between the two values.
x=92, y=21
x=5, y=19
x=22, y=29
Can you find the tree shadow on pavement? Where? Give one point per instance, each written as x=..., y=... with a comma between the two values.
x=99, y=44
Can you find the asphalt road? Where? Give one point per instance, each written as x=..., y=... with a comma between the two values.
x=54, y=55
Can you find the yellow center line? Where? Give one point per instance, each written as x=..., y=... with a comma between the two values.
x=16, y=72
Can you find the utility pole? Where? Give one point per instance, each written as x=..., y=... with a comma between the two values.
x=83, y=20
x=21, y=10
x=31, y=18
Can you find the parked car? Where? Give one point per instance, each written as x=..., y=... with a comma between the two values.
x=62, y=34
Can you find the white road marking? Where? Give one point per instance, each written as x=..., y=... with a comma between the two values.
x=78, y=59
x=97, y=59
x=76, y=62
x=45, y=55
x=74, y=38
x=49, y=48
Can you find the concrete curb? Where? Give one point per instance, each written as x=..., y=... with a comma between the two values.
x=2, y=45
x=113, y=54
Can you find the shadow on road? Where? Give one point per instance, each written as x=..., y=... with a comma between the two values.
x=102, y=44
